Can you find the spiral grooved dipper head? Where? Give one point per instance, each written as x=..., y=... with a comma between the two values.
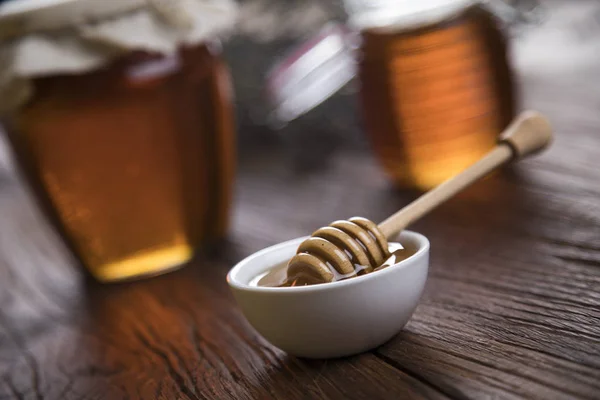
x=340, y=250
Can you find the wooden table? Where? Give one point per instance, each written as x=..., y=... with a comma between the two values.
x=511, y=308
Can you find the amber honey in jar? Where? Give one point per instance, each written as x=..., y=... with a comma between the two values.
x=130, y=150
x=435, y=85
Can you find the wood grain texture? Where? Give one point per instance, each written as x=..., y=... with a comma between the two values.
x=511, y=309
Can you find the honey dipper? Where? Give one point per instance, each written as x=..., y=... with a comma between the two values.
x=358, y=240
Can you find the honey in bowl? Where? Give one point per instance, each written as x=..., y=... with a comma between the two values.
x=277, y=276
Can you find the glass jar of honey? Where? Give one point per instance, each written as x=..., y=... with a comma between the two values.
x=123, y=127
x=436, y=85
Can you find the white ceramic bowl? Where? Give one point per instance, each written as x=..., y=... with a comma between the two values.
x=333, y=319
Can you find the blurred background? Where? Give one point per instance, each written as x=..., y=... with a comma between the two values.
x=189, y=108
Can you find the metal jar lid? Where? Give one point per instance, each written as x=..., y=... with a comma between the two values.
x=394, y=15
x=402, y=14
x=311, y=73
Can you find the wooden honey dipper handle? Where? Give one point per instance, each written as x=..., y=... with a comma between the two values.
x=529, y=133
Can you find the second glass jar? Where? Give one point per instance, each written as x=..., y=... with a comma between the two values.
x=436, y=95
